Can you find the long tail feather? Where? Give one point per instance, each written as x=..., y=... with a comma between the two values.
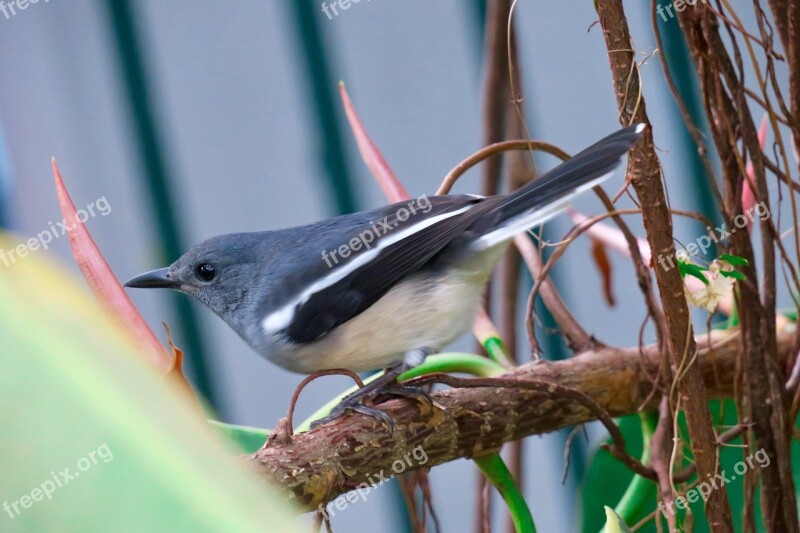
x=550, y=194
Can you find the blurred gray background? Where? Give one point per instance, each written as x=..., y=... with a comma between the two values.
x=231, y=93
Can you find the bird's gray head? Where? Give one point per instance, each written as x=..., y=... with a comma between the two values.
x=221, y=272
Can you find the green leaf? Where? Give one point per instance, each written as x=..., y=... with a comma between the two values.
x=733, y=274
x=248, y=438
x=734, y=260
x=690, y=269
x=498, y=475
x=790, y=313
x=733, y=320
x=77, y=395
x=614, y=524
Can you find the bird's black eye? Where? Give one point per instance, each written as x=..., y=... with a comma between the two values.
x=206, y=271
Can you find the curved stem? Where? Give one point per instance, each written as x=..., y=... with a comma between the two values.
x=496, y=471
x=640, y=489
x=492, y=149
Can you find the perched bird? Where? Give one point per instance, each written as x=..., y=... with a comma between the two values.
x=374, y=289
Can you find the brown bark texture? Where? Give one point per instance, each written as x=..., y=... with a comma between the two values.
x=317, y=466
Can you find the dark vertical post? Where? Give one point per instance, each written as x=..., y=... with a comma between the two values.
x=157, y=181
x=322, y=93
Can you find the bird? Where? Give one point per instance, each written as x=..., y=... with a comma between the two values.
x=376, y=289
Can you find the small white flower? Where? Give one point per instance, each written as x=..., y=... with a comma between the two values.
x=719, y=287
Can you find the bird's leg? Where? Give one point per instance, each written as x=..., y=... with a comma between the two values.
x=385, y=384
x=415, y=393
x=354, y=400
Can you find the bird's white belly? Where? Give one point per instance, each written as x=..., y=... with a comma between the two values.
x=414, y=314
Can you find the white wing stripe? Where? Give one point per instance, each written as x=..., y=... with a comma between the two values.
x=281, y=318
x=533, y=218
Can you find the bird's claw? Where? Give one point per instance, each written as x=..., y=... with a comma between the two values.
x=356, y=406
x=415, y=393
x=381, y=386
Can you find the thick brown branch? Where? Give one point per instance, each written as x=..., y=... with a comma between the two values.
x=321, y=464
x=645, y=175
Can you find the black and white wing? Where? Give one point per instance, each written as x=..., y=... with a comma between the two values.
x=351, y=287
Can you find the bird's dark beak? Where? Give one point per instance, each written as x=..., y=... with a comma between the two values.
x=155, y=279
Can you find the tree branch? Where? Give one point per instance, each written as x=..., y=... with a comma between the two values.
x=645, y=174
x=321, y=464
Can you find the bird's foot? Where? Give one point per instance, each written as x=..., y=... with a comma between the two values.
x=415, y=393
x=356, y=405
x=382, y=386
